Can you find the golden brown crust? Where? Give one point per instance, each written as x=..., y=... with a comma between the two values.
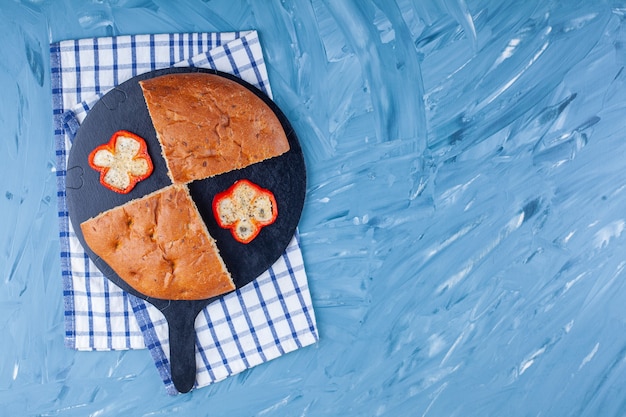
x=159, y=245
x=208, y=124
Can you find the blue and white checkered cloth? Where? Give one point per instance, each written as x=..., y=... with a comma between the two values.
x=271, y=316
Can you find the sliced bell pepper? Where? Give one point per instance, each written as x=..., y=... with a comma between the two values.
x=245, y=208
x=122, y=162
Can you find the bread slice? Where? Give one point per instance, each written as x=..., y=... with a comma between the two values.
x=208, y=124
x=160, y=246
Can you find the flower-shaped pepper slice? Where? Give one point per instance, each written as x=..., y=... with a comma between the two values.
x=245, y=208
x=122, y=162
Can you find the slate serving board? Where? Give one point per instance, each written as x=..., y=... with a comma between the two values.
x=124, y=108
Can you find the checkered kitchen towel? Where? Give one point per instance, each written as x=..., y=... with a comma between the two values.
x=271, y=316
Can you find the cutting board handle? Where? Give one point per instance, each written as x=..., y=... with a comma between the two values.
x=182, y=339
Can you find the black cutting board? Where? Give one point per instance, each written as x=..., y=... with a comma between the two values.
x=124, y=108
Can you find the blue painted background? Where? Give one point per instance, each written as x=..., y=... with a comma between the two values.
x=464, y=230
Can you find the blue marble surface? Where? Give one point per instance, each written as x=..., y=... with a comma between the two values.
x=464, y=225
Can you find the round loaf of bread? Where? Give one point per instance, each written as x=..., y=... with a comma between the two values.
x=208, y=124
x=160, y=246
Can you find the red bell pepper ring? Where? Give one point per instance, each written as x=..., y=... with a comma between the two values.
x=245, y=208
x=122, y=162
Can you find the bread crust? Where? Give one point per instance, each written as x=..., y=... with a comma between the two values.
x=160, y=246
x=208, y=124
